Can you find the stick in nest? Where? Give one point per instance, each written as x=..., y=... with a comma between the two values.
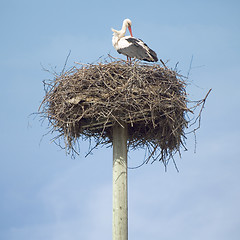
x=152, y=100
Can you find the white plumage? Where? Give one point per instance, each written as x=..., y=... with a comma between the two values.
x=130, y=46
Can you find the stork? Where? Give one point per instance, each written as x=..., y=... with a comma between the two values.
x=130, y=46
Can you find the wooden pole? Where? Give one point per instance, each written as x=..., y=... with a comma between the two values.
x=120, y=196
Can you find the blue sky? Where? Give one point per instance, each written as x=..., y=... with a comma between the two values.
x=46, y=195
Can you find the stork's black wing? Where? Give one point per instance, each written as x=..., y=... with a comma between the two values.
x=139, y=50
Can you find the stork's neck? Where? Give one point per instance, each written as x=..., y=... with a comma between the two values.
x=123, y=30
x=121, y=33
x=117, y=35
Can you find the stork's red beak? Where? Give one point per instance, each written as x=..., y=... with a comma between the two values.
x=130, y=30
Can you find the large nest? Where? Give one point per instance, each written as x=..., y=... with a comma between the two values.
x=88, y=100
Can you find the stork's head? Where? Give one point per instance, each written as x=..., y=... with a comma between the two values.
x=127, y=23
x=121, y=33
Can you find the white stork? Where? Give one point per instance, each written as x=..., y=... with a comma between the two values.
x=130, y=46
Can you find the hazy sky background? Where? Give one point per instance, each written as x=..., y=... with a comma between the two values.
x=46, y=195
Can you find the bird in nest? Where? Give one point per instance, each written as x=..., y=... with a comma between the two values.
x=130, y=46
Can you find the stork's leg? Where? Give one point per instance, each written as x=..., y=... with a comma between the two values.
x=128, y=59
